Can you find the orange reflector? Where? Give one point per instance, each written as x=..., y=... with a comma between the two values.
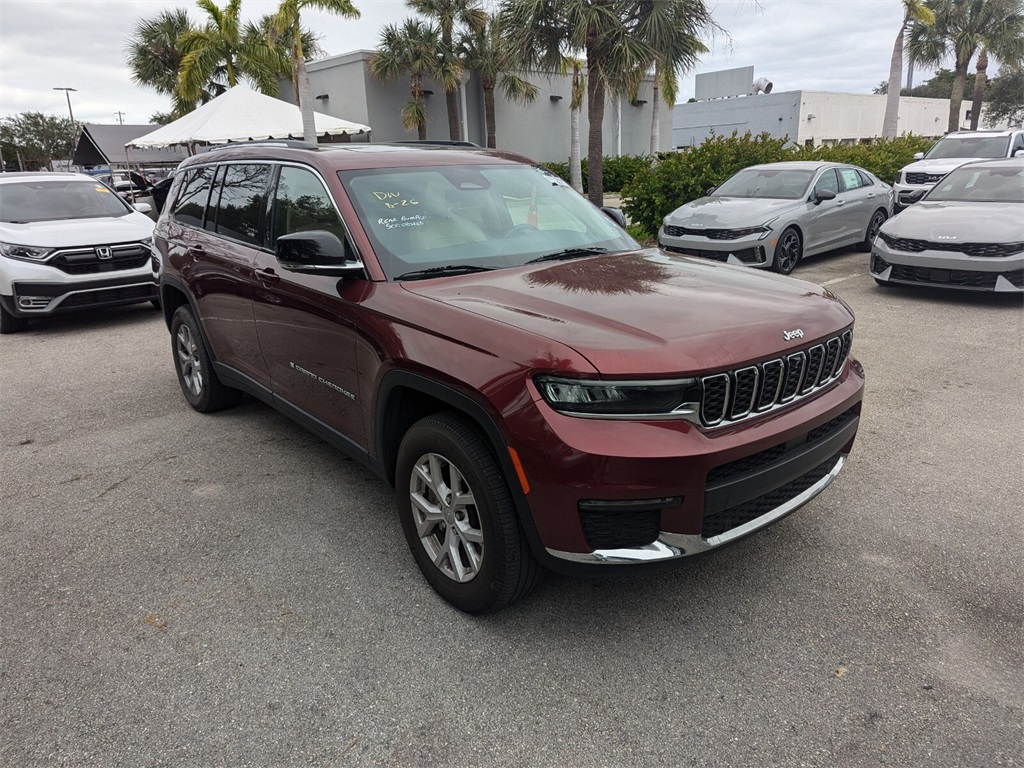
x=773, y=244
x=519, y=469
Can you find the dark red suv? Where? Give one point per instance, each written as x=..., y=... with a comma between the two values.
x=540, y=389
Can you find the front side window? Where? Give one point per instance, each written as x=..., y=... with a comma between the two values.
x=243, y=197
x=302, y=204
x=773, y=183
x=190, y=207
x=28, y=201
x=475, y=217
x=827, y=180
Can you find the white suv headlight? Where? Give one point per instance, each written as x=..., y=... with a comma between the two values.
x=24, y=252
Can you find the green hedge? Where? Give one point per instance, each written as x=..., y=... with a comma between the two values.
x=679, y=177
x=618, y=171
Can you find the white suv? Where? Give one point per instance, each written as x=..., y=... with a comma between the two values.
x=69, y=242
x=949, y=153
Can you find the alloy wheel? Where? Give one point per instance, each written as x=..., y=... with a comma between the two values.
x=188, y=359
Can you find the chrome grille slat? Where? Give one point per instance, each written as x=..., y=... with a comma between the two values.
x=732, y=396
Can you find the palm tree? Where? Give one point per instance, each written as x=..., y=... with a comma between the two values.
x=287, y=23
x=449, y=14
x=414, y=47
x=154, y=58
x=914, y=12
x=578, y=94
x=484, y=53
x=543, y=32
x=961, y=29
x=672, y=29
x=222, y=46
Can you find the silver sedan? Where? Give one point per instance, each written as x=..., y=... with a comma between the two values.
x=967, y=232
x=770, y=216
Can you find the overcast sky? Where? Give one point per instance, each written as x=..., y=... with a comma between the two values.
x=829, y=45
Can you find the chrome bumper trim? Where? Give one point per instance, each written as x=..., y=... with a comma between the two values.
x=673, y=545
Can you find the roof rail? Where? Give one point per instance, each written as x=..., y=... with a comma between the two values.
x=289, y=143
x=434, y=142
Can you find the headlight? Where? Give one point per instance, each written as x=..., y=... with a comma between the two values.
x=767, y=227
x=24, y=252
x=620, y=399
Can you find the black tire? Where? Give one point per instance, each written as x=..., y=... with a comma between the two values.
x=200, y=385
x=11, y=324
x=156, y=303
x=788, y=251
x=483, y=561
x=877, y=220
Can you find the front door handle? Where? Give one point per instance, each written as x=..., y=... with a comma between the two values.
x=267, y=276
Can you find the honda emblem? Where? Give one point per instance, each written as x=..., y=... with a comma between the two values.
x=104, y=252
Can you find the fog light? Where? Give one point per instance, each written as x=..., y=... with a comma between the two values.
x=33, y=302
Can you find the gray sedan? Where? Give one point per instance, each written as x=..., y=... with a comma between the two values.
x=772, y=215
x=967, y=232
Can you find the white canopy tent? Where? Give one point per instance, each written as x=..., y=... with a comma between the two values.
x=239, y=114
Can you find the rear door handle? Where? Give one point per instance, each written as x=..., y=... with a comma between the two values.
x=268, y=276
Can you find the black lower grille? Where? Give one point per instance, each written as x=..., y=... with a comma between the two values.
x=962, y=278
x=721, y=522
x=618, y=530
x=109, y=296
x=753, y=255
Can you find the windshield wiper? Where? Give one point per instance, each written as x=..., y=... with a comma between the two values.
x=449, y=269
x=569, y=253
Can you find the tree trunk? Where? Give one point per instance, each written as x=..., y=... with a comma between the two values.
x=492, y=137
x=575, y=168
x=956, y=98
x=305, y=95
x=417, y=96
x=452, y=100
x=980, y=81
x=892, y=98
x=656, y=111
x=595, y=135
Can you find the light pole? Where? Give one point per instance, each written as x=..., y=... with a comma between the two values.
x=74, y=129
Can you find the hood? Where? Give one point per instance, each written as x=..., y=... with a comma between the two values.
x=955, y=222
x=72, y=233
x=730, y=212
x=649, y=312
x=942, y=165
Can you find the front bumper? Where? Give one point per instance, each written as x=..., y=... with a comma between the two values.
x=749, y=251
x=615, y=493
x=945, y=269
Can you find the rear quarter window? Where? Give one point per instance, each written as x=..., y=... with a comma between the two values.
x=190, y=205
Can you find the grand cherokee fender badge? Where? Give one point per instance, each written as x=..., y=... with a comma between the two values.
x=796, y=333
x=322, y=380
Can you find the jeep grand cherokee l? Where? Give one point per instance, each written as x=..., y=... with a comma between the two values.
x=539, y=388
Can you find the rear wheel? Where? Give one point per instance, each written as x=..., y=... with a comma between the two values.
x=788, y=251
x=199, y=383
x=458, y=517
x=877, y=220
x=11, y=324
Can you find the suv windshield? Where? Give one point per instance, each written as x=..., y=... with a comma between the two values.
x=775, y=183
x=23, y=202
x=969, y=146
x=981, y=185
x=461, y=217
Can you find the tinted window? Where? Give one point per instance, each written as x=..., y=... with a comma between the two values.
x=302, y=204
x=849, y=178
x=195, y=190
x=243, y=196
x=827, y=180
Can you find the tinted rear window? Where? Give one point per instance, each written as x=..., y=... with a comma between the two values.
x=190, y=206
x=243, y=197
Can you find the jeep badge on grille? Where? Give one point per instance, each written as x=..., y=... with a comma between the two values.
x=796, y=333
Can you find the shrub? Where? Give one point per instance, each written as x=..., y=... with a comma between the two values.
x=618, y=171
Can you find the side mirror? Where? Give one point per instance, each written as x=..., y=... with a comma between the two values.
x=317, y=252
x=824, y=194
x=143, y=207
x=710, y=190
x=615, y=215
x=1018, y=153
x=919, y=155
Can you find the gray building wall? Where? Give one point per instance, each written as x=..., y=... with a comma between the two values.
x=775, y=113
x=539, y=130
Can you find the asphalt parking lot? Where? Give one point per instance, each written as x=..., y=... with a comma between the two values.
x=181, y=589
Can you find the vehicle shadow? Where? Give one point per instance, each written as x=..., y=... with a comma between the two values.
x=94, y=319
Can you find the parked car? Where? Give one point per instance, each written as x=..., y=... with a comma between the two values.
x=68, y=242
x=951, y=151
x=771, y=216
x=967, y=232
x=128, y=184
x=539, y=388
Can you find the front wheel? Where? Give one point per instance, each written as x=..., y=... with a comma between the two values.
x=788, y=251
x=200, y=385
x=458, y=517
x=877, y=220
